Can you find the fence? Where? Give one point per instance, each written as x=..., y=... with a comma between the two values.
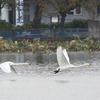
x=44, y=33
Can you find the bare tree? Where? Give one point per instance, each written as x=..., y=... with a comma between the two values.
x=3, y=2
x=65, y=6
x=40, y=5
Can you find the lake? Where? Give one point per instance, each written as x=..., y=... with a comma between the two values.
x=38, y=81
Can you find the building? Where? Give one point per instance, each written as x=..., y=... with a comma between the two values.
x=22, y=14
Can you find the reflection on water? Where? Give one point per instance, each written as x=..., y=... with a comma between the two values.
x=39, y=58
x=62, y=81
x=38, y=82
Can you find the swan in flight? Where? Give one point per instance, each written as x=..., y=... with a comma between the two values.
x=63, y=60
x=7, y=66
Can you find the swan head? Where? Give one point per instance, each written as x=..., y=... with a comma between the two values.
x=87, y=64
x=29, y=63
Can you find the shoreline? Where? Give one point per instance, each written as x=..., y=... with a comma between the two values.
x=38, y=45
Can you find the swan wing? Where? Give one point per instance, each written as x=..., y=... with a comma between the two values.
x=62, y=61
x=5, y=67
x=12, y=69
x=66, y=55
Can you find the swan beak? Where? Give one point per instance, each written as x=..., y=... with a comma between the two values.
x=29, y=63
x=88, y=64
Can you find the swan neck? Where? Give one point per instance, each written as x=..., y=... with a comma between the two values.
x=82, y=65
x=19, y=64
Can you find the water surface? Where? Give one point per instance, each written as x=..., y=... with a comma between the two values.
x=38, y=82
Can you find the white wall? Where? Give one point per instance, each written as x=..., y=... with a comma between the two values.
x=32, y=9
x=4, y=13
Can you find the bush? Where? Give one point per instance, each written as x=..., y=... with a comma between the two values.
x=76, y=23
x=43, y=25
x=68, y=25
x=18, y=27
x=5, y=25
x=55, y=25
x=80, y=23
x=27, y=25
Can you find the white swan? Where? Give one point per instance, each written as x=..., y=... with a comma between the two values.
x=63, y=60
x=7, y=66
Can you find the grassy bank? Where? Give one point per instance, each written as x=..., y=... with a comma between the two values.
x=45, y=45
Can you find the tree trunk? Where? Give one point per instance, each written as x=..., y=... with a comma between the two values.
x=63, y=16
x=37, y=17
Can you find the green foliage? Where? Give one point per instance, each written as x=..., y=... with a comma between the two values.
x=79, y=23
x=88, y=42
x=43, y=25
x=76, y=23
x=8, y=41
x=56, y=43
x=76, y=37
x=27, y=25
x=68, y=25
x=5, y=25
x=55, y=25
x=20, y=45
x=97, y=44
x=18, y=27
x=44, y=45
x=79, y=44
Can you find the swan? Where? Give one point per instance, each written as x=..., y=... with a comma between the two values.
x=64, y=61
x=7, y=66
